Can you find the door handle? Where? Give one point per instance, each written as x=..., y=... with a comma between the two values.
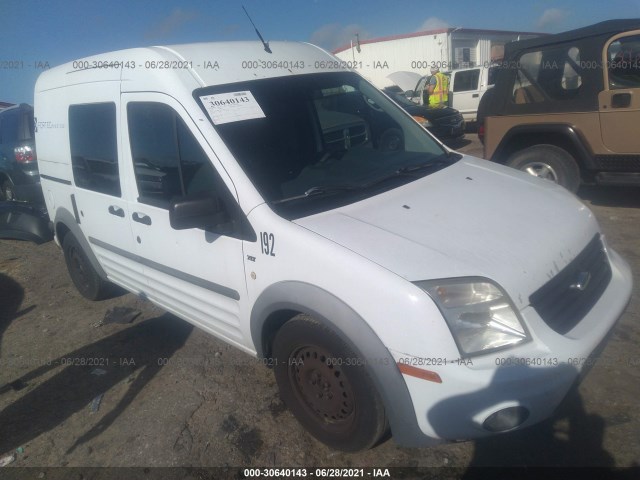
x=475, y=95
x=141, y=218
x=117, y=211
x=621, y=100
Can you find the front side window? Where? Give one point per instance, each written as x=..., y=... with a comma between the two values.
x=307, y=140
x=623, y=60
x=168, y=161
x=94, y=150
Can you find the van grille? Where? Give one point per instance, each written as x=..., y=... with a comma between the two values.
x=569, y=296
x=353, y=135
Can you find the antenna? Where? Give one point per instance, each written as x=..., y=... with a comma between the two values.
x=266, y=44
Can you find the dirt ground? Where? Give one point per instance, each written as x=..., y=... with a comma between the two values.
x=175, y=396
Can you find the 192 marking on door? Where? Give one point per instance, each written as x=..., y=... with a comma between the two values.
x=267, y=242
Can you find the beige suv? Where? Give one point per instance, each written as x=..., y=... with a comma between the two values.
x=566, y=107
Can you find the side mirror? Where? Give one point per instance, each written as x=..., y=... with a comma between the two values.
x=204, y=212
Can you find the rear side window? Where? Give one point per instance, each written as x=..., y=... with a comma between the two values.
x=168, y=161
x=92, y=136
x=466, y=81
x=548, y=75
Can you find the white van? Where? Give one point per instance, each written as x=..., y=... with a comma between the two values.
x=399, y=286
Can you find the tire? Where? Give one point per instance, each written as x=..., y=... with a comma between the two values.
x=6, y=191
x=391, y=140
x=550, y=162
x=83, y=275
x=326, y=386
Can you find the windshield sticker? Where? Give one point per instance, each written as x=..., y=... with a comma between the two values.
x=232, y=107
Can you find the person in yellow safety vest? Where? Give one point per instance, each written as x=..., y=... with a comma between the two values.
x=438, y=88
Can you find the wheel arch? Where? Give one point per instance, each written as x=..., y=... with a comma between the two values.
x=65, y=223
x=284, y=300
x=560, y=135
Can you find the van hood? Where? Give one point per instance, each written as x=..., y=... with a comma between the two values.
x=474, y=218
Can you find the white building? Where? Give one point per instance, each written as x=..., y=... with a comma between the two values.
x=447, y=48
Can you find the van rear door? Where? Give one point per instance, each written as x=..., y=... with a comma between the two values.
x=97, y=199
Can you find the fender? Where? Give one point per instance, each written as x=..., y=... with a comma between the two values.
x=68, y=219
x=358, y=335
x=567, y=131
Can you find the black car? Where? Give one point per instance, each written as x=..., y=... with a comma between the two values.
x=19, y=179
x=445, y=123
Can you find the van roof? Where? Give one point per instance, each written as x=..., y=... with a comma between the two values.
x=193, y=65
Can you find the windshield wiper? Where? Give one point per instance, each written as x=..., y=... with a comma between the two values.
x=320, y=190
x=444, y=159
x=437, y=163
x=323, y=190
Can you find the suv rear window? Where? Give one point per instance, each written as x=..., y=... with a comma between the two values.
x=9, y=127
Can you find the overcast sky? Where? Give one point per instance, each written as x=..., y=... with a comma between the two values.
x=40, y=32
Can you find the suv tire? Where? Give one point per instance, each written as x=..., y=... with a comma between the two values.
x=549, y=162
x=326, y=386
x=83, y=275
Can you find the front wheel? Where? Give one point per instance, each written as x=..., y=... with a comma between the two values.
x=326, y=386
x=548, y=162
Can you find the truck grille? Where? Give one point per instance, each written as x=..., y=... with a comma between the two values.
x=567, y=298
x=450, y=120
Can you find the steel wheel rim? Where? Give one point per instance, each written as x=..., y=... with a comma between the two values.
x=541, y=170
x=322, y=387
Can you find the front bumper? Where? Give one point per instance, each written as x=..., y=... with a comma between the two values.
x=536, y=375
x=448, y=132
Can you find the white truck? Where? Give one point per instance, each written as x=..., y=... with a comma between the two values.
x=466, y=87
x=249, y=192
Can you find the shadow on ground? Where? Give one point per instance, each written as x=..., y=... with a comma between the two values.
x=11, y=296
x=628, y=197
x=73, y=388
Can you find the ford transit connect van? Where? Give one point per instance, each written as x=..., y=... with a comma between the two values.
x=248, y=193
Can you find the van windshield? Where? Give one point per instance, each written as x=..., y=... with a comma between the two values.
x=309, y=142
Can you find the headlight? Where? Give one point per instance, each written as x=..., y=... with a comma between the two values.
x=423, y=121
x=480, y=314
